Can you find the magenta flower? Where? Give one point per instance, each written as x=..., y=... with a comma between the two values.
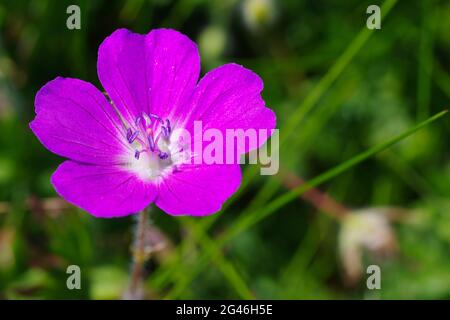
x=122, y=148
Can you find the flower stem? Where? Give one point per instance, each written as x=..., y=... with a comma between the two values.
x=135, y=290
x=321, y=200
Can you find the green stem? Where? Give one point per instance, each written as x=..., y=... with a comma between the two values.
x=135, y=290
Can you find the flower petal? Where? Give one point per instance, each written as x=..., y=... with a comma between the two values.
x=154, y=73
x=103, y=191
x=74, y=120
x=229, y=97
x=198, y=190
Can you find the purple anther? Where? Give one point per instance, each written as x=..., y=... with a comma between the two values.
x=148, y=120
x=151, y=143
x=154, y=116
x=165, y=132
x=143, y=118
x=169, y=129
x=138, y=120
x=137, y=154
x=131, y=136
x=163, y=155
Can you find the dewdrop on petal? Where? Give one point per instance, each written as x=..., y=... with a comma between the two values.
x=258, y=14
x=365, y=230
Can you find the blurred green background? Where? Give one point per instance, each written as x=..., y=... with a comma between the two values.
x=338, y=89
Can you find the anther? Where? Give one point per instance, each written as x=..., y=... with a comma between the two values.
x=165, y=132
x=138, y=120
x=154, y=116
x=147, y=120
x=169, y=129
x=131, y=136
x=163, y=155
x=151, y=143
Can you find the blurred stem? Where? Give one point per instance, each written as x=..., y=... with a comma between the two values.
x=140, y=255
x=425, y=58
x=321, y=200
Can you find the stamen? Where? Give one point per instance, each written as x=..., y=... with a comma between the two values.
x=163, y=155
x=168, y=126
x=131, y=136
x=144, y=116
x=145, y=128
x=138, y=120
x=165, y=132
x=147, y=119
x=154, y=116
x=151, y=143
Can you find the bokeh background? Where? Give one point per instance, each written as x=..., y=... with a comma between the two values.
x=346, y=87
